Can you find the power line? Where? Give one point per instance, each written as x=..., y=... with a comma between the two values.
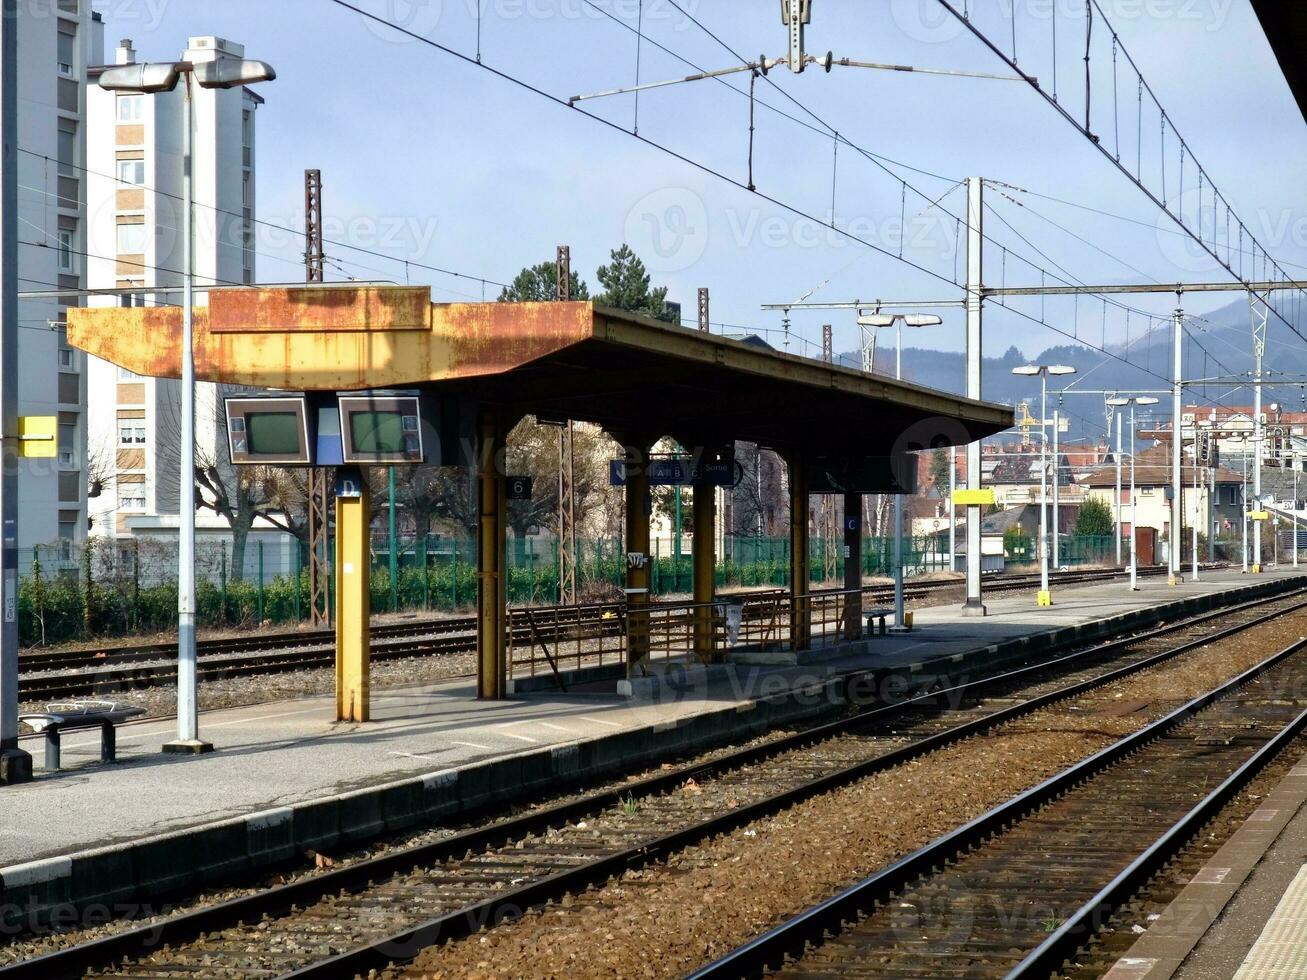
x=1137, y=178
x=272, y=224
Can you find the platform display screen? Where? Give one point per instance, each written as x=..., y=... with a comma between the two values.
x=271, y=430
x=379, y=432
x=273, y=433
x=381, y=428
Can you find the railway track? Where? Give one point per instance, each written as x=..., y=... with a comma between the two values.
x=377, y=911
x=49, y=677
x=1016, y=892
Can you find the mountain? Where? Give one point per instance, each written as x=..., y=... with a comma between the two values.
x=1217, y=346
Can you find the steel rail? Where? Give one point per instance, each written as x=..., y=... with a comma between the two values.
x=1080, y=925
x=791, y=937
x=279, y=900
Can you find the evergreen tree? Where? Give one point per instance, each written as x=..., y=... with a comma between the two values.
x=1094, y=518
x=626, y=287
x=539, y=284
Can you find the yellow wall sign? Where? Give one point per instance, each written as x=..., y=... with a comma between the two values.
x=977, y=497
x=1259, y=515
x=38, y=436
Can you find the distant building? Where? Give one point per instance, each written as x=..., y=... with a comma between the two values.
x=135, y=187
x=1153, y=504
x=57, y=39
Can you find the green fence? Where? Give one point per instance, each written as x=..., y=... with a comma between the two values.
x=110, y=588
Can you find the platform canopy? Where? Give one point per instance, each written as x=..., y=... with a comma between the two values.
x=577, y=360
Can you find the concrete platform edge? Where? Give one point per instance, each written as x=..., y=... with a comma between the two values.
x=148, y=868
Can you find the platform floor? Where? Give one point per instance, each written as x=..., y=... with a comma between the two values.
x=281, y=753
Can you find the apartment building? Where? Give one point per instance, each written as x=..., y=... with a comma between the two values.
x=57, y=40
x=134, y=145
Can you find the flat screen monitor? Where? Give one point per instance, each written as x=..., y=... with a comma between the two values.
x=381, y=428
x=268, y=430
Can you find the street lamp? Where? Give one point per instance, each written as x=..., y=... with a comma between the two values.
x=1043, y=371
x=151, y=79
x=1132, y=401
x=897, y=320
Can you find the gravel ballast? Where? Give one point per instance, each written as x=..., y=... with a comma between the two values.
x=668, y=919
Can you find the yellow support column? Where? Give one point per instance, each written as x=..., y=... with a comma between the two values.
x=637, y=559
x=705, y=569
x=492, y=665
x=353, y=597
x=800, y=605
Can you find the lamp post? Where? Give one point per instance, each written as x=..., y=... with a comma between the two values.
x=1243, y=501
x=151, y=79
x=897, y=320
x=1042, y=371
x=1132, y=401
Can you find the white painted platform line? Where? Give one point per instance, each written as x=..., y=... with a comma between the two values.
x=1280, y=952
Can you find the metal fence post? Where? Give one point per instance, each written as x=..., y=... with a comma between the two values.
x=88, y=586
x=261, y=616
x=296, y=579
x=222, y=584
x=426, y=576
x=453, y=574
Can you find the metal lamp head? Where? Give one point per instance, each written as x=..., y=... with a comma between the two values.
x=1027, y=370
x=1060, y=369
x=232, y=73
x=1146, y=400
x=922, y=320
x=876, y=319
x=143, y=78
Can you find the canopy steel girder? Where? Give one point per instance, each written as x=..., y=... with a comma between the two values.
x=567, y=359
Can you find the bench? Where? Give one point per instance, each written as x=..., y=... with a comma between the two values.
x=72, y=715
x=876, y=619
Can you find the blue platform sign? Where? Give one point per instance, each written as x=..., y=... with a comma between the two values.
x=677, y=471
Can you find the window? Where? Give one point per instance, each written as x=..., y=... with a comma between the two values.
x=131, y=432
x=67, y=444
x=70, y=487
x=131, y=498
x=67, y=45
x=247, y=128
x=66, y=148
x=69, y=388
x=65, y=357
x=131, y=108
x=131, y=172
x=131, y=239
x=247, y=192
x=67, y=252
x=125, y=374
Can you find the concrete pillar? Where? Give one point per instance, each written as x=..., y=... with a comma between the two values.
x=637, y=558
x=800, y=604
x=853, y=566
x=704, y=559
x=492, y=506
x=353, y=597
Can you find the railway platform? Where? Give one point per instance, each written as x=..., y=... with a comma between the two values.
x=285, y=778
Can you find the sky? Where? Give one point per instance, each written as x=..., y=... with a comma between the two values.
x=431, y=158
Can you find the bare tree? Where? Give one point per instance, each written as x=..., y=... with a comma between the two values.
x=240, y=495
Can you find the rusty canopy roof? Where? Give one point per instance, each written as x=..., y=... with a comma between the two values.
x=628, y=373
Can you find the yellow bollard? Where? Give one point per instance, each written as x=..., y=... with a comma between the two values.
x=353, y=597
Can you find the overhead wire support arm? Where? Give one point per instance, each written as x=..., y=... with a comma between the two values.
x=763, y=65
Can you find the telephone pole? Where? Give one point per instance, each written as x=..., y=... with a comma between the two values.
x=319, y=493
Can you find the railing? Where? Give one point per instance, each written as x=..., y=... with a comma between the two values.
x=566, y=638
x=552, y=639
